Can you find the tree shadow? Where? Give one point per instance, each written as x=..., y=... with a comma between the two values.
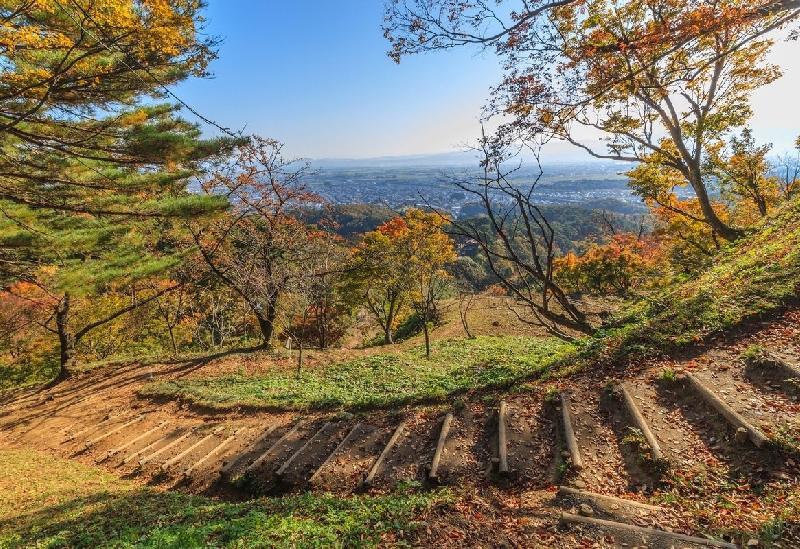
x=57, y=397
x=740, y=461
x=172, y=519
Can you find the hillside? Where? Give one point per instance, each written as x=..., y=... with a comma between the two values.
x=512, y=439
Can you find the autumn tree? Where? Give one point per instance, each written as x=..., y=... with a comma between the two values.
x=323, y=300
x=71, y=88
x=401, y=265
x=57, y=298
x=428, y=251
x=689, y=243
x=742, y=173
x=617, y=264
x=262, y=245
x=379, y=278
x=662, y=80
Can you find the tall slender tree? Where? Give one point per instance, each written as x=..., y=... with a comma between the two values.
x=402, y=264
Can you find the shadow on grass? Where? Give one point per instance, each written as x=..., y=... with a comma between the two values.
x=147, y=518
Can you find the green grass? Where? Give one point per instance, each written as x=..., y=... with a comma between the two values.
x=380, y=380
x=749, y=279
x=50, y=502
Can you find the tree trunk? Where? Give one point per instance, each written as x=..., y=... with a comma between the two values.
x=299, y=355
x=427, y=335
x=266, y=323
x=464, y=303
x=387, y=327
x=322, y=323
x=171, y=329
x=66, y=340
x=725, y=231
x=761, y=202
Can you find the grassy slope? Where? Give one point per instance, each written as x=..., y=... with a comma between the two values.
x=753, y=278
x=50, y=502
x=456, y=365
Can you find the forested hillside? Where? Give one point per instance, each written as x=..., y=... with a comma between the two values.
x=509, y=360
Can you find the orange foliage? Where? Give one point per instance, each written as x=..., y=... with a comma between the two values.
x=621, y=263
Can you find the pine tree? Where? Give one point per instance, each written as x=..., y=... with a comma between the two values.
x=90, y=157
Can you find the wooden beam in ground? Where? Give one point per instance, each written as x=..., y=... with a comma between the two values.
x=788, y=369
x=388, y=448
x=733, y=417
x=160, y=451
x=339, y=447
x=214, y=451
x=502, y=441
x=167, y=464
x=567, y=490
x=641, y=424
x=135, y=440
x=153, y=444
x=66, y=429
x=73, y=436
x=433, y=473
x=569, y=434
x=226, y=468
x=300, y=451
x=577, y=519
x=107, y=434
x=263, y=457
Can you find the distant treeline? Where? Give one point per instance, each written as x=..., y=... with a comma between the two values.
x=572, y=223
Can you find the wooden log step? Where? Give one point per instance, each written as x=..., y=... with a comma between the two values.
x=567, y=490
x=167, y=464
x=338, y=449
x=66, y=429
x=150, y=446
x=502, y=439
x=641, y=424
x=226, y=467
x=433, y=472
x=770, y=360
x=379, y=461
x=163, y=449
x=146, y=434
x=569, y=433
x=213, y=452
x=754, y=434
x=75, y=435
x=281, y=472
x=569, y=518
x=263, y=457
x=114, y=431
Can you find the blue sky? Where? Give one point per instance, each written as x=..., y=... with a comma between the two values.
x=314, y=74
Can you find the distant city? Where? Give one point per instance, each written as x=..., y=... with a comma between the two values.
x=397, y=183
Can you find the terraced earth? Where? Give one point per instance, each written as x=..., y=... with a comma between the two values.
x=690, y=451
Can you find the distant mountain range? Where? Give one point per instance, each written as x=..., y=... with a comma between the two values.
x=553, y=154
x=414, y=160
